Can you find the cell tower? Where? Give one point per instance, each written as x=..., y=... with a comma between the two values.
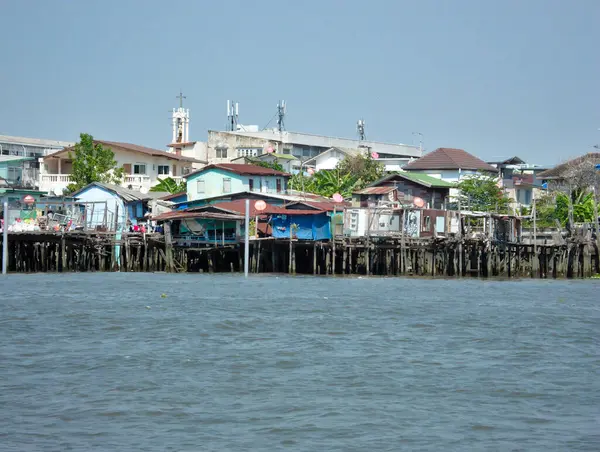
x=233, y=113
x=281, y=111
x=360, y=128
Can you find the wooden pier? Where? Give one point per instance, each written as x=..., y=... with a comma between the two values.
x=434, y=257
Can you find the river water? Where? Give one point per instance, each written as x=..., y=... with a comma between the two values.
x=156, y=362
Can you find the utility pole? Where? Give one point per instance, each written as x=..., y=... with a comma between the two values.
x=534, y=212
x=5, y=237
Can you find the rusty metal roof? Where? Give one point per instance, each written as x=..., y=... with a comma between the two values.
x=242, y=169
x=182, y=214
x=375, y=191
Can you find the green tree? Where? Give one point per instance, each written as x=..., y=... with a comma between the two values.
x=325, y=183
x=92, y=163
x=272, y=165
x=553, y=208
x=481, y=193
x=364, y=168
x=169, y=185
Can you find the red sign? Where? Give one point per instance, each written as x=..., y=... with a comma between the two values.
x=260, y=205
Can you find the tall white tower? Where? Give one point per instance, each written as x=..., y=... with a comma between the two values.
x=181, y=122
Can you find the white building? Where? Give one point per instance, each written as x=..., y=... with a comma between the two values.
x=31, y=149
x=331, y=157
x=223, y=147
x=143, y=167
x=180, y=141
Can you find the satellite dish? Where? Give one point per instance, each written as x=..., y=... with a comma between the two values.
x=143, y=190
x=375, y=155
x=260, y=205
x=311, y=171
x=418, y=202
x=337, y=197
x=57, y=191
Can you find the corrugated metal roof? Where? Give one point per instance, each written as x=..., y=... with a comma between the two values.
x=241, y=169
x=559, y=170
x=13, y=158
x=239, y=206
x=133, y=148
x=181, y=215
x=124, y=193
x=375, y=191
x=418, y=178
x=449, y=158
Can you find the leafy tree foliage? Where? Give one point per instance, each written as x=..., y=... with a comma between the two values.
x=92, y=163
x=362, y=167
x=553, y=208
x=352, y=173
x=481, y=193
x=272, y=165
x=169, y=185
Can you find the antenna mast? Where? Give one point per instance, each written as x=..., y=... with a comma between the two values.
x=233, y=113
x=281, y=111
x=360, y=128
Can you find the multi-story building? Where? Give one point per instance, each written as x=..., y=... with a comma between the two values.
x=143, y=167
x=31, y=150
x=519, y=180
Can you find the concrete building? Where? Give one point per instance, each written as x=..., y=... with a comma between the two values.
x=519, y=180
x=31, y=149
x=143, y=167
x=222, y=147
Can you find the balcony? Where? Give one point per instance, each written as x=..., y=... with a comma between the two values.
x=54, y=183
x=137, y=182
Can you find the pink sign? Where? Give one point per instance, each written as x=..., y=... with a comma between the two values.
x=269, y=150
x=337, y=197
x=260, y=205
x=311, y=171
x=28, y=199
x=375, y=155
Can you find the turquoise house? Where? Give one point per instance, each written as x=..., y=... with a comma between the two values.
x=11, y=168
x=223, y=178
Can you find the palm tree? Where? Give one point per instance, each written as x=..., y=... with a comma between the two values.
x=169, y=185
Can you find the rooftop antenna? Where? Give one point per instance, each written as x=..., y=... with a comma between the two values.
x=233, y=113
x=281, y=111
x=360, y=128
x=420, y=141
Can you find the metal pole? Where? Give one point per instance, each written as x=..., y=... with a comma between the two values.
x=535, y=261
x=247, y=238
x=5, y=238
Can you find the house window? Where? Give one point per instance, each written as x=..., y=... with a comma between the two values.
x=250, y=184
x=278, y=185
x=163, y=169
x=426, y=223
x=354, y=220
x=139, y=168
x=266, y=186
x=221, y=153
x=200, y=186
x=287, y=151
x=226, y=185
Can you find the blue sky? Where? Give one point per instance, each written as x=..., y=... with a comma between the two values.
x=496, y=78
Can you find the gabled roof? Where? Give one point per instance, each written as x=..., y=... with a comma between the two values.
x=557, y=171
x=131, y=148
x=345, y=151
x=241, y=169
x=124, y=193
x=450, y=159
x=509, y=161
x=417, y=178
